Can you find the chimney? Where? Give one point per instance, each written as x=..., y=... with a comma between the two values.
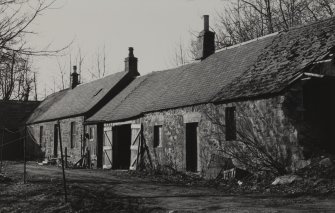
x=206, y=41
x=74, y=77
x=131, y=63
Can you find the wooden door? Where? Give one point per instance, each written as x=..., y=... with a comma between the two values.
x=56, y=140
x=107, y=147
x=134, y=146
x=99, y=148
x=191, y=147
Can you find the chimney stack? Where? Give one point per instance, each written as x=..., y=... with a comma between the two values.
x=74, y=77
x=131, y=63
x=206, y=41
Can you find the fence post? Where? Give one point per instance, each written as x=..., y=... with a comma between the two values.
x=3, y=133
x=62, y=160
x=24, y=155
x=66, y=157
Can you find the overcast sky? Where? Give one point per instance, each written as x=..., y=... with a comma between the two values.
x=152, y=27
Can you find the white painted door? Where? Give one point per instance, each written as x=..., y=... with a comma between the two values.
x=134, y=146
x=107, y=147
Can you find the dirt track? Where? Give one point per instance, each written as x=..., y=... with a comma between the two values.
x=117, y=191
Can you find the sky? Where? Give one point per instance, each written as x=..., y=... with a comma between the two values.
x=153, y=27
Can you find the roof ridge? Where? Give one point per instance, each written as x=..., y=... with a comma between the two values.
x=247, y=42
x=95, y=80
x=275, y=33
x=179, y=66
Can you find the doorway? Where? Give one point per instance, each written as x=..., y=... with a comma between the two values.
x=55, y=140
x=100, y=132
x=191, y=147
x=121, y=147
x=319, y=105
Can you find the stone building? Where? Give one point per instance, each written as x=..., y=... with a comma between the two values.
x=277, y=90
x=70, y=107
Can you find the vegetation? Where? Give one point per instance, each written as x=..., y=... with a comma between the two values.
x=17, y=79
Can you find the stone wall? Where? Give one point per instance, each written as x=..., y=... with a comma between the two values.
x=47, y=144
x=275, y=122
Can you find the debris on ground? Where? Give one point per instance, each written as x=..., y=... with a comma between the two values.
x=326, y=162
x=138, y=191
x=286, y=179
x=317, y=178
x=4, y=178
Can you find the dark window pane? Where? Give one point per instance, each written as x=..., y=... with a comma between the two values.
x=230, y=124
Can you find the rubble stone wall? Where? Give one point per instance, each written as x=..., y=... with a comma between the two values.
x=47, y=144
x=276, y=122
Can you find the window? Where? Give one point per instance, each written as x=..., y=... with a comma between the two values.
x=41, y=135
x=157, y=136
x=91, y=133
x=230, y=124
x=73, y=134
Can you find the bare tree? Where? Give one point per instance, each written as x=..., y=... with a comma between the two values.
x=16, y=77
x=98, y=67
x=244, y=20
x=255, y=148
x=183, y=54
x=61, y=68
x=17, y=80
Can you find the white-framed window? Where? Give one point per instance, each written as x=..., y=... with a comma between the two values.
x=157, y=136
x=91, y=133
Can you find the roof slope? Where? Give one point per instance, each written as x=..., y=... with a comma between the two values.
x=13, y=114
x=45, y=105
x=283, y=60
x=76, y=101
x=263, y=66
x=186, y=85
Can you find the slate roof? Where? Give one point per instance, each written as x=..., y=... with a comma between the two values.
x=77, y=101
x=283, y=60
x=260, y=67
x=13, y=114
x=187, y=85
x=45, y=105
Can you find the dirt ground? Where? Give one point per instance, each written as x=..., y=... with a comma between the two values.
x=119, y=191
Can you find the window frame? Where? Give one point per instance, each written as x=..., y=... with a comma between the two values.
x=90, y=133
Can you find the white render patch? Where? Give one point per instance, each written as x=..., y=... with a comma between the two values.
x=192, y=117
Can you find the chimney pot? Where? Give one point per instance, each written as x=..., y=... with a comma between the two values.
x=131, y=63
x=131, y=52
x=74, y=77
x=206, y=22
